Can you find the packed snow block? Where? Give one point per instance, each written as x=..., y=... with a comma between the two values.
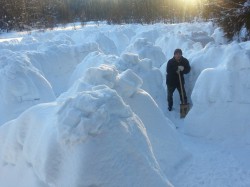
x=128, y=83
x=93, y=59
x=103, y=74
x=151, y=77
x=128, y=61
x=133, y=62
x=22, y=85
x=146, y=49
x=72, y=123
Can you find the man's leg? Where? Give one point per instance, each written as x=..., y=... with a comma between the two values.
x=171, y=90
x=184, y=94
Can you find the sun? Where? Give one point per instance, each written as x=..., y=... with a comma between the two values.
x=190, y=2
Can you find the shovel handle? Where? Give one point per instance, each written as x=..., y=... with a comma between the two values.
x=182, y=95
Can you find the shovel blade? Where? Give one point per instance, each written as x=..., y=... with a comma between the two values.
x=184, y=108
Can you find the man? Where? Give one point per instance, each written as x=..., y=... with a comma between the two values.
x=178, y=64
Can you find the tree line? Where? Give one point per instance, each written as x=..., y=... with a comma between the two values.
x=28, y=14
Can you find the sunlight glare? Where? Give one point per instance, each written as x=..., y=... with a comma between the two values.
x=190, y=2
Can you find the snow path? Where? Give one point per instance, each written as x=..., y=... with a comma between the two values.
x=223, y=168
x=213, y=163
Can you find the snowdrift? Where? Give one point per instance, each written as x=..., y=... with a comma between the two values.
x=221, y=102
x=22, y=85
x=161, y=131
x=69, y=144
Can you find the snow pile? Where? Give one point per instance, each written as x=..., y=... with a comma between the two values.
x=121, y=37
x=58, y=61
x=189, y=37
x=151, y=77
x=146, y=49
x=127, y=84
x=69, y=144
x=22, y=85
x=221, y=102
x=32, y=76
x=101, y=38
x=54, y=54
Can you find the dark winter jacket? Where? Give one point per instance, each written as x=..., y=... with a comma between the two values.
x=172, y=67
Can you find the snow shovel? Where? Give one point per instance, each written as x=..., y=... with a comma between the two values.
x=184, y=107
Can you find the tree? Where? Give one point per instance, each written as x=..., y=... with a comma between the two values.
x=232, y=16
x=28, y=14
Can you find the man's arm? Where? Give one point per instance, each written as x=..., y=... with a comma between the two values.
x=187, y=67
x=171, y=67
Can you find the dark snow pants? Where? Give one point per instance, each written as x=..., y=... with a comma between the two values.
x=171, y=90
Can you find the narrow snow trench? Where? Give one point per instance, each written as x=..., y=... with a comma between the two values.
x=212, y=163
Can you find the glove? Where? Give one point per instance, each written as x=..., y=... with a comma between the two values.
x=180, y=68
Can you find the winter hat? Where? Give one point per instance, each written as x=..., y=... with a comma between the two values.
x=178, y=51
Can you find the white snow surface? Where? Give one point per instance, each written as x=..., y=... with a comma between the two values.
x=88, y=107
